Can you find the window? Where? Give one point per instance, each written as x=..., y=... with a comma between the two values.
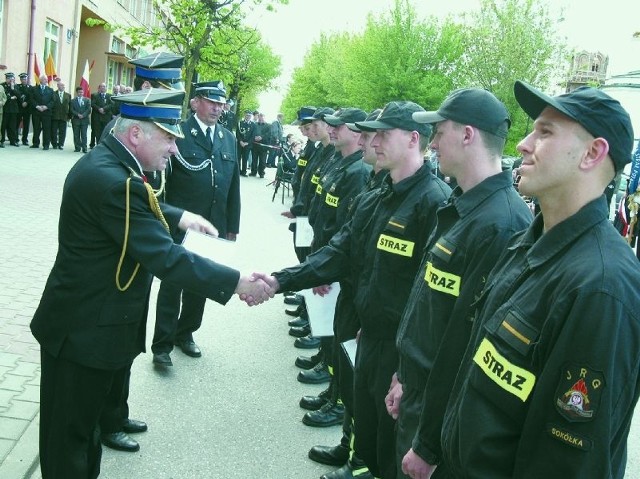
x=113, y=74
x=130, y=52
x=117, y=45
x=51, y=41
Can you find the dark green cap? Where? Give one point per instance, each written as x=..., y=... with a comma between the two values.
x=345, y=115
x=397, y=114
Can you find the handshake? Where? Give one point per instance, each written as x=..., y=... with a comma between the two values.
x=257, y=288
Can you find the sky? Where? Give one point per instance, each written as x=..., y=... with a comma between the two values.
x=591, y=25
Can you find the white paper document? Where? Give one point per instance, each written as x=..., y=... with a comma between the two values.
x=304, y=232
x=210, y=247
x=350, y=347
x=321, y=310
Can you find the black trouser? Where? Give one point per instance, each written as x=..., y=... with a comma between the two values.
x=259, y=154
x=271, y=158
x=10, y=127
x=24, y=117
x=116, y=408
x=58, y=132
x=243, y=158
x=79, y=134
x=376, y=362
x=172, y=322
x=100, y=125
x=72, y=397
x=41, y=124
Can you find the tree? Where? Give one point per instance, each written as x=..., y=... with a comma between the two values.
x=509, y=40
x=196, y=29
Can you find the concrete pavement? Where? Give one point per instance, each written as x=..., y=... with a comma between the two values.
x=232, y=413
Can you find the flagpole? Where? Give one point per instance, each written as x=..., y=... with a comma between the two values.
x=31, y=54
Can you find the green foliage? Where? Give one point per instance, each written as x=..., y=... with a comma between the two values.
x=399, y=57
x=204, y=31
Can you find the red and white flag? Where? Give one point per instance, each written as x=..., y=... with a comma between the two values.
x=84, y=81
x=38, y=68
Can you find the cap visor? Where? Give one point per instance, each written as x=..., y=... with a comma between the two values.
x=427, y=117
x=533, y=101
x=353, y=127
x=373, y=125
x=332, y=120
x=175, y=130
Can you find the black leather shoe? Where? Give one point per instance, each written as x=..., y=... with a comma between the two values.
x=298, y=322
x=305, y=362
x=45, y=148
x=348, y=472
x=162, y=359
x=331, y=414
x=76, y=150
x=295, y=300
x=120, y=441
x=34, y=146
x=293, y=312
x=317, y=375
x=189, y=348
x=132, y=426
x=308, y=342
x=84, y=150
x=313, y=403
x=299, y=331
x=330, y=455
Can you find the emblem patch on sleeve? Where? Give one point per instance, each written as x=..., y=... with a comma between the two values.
x=579, y=392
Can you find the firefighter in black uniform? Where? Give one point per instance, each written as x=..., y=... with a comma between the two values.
x=24, y=114
x=10, y=110
x=379, y=249
x=481, y=215
x=549, y=381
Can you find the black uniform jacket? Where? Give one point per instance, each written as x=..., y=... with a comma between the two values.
x=550, y=380
x=473, y=230
x=379, y=249
x=204, y=181
x=307, y=153
x=82, y=315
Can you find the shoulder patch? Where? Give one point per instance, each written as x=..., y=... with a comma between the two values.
x=578, y=393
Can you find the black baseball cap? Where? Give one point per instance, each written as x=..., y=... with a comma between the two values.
x=598, y=113
x=156, y=105
x=371, y=116
x=345, y=115
x=471, y=106
x=397, y=114
x=321, y=112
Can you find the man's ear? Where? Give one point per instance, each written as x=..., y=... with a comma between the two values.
x=596, y=152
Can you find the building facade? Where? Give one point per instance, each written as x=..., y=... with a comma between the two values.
x=31, y=30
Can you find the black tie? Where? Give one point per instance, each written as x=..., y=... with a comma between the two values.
x=209, y=141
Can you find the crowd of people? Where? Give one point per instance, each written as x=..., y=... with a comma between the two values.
x=489, y=343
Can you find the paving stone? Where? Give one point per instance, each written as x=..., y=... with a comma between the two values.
x=12, y=382
x=8, y=359
x=30, y=393
x=12, y=428
x=26, y=410
x=26, y=369
x=5, y=446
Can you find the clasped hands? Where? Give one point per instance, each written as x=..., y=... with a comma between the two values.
x=257, y=288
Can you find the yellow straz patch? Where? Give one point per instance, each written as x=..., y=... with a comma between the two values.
x=511, y=378
x=442, y=281
x=302, y=162
x=395, y=245
x=331, y=200
x=315, y=179
x=319, y=190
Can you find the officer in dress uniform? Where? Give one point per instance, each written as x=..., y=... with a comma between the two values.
x=10, y=111
x=245, y=133
x=91, y=323
x=24, y=113
x=204, y=178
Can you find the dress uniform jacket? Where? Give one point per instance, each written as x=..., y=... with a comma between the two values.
x=473, y=229
x=205, y=181
x=550, y=378
x=83, y=316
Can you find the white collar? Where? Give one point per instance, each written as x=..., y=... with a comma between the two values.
x=204, y=126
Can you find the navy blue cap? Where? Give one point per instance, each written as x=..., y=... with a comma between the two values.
x=304, y=115
x=163, y=68
x=597, y=112
x=211, y=90
x=156, y=105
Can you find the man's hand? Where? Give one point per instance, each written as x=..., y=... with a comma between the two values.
x=192, y=221
x=253, y=290
x=288, y=214
x=394, y=396
x=416, y=467
x=322, y=290
x=270, y=280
